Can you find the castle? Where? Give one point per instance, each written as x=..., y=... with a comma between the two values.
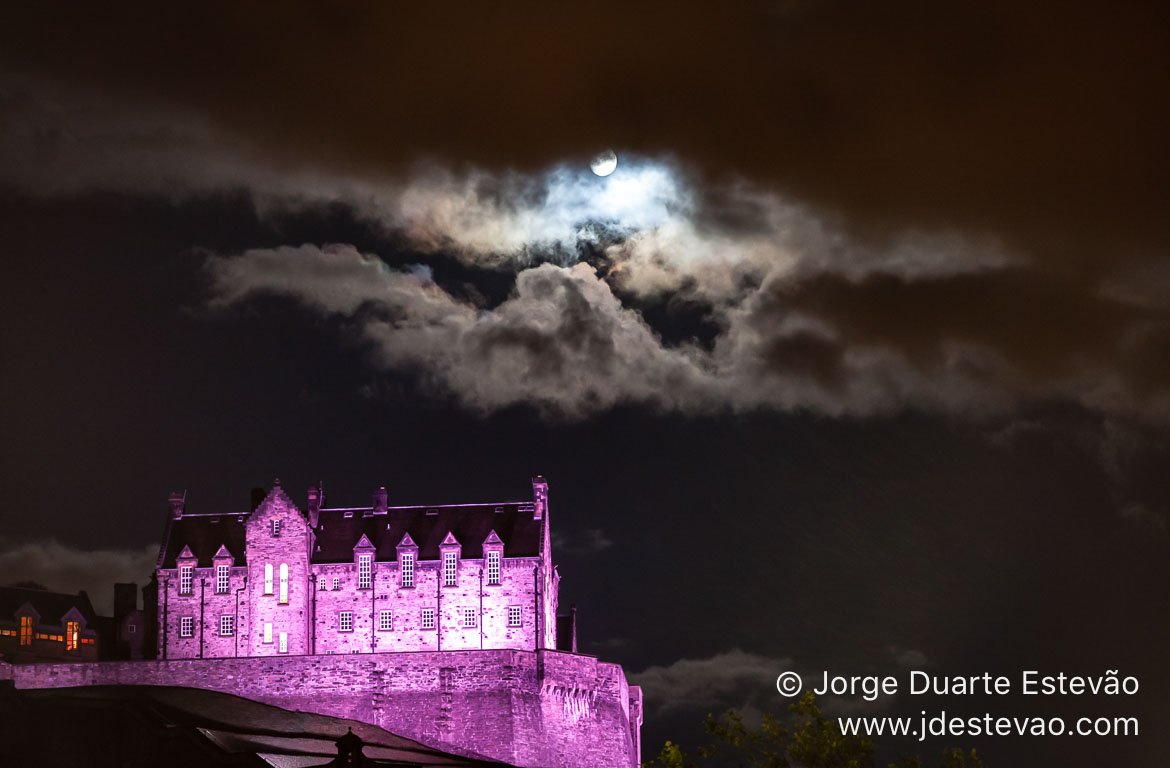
x=436, y=622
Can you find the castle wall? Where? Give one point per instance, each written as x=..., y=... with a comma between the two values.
x=490, y=604
x=545, y=708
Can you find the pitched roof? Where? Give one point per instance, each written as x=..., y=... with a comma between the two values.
x=52, y=606
x=204, y=534
x=428, y=527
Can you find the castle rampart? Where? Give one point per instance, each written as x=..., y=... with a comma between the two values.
x=528, y=708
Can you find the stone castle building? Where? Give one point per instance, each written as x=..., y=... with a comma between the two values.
x=436, y=622
x=357, y=579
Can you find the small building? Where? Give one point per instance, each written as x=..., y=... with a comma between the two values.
x=39, y=625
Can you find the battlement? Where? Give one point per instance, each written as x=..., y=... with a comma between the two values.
x=527, y=708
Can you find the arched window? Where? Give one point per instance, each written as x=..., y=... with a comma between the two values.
x=284, y=582
x=268, y=578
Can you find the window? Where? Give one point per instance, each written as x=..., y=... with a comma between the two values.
x=72, y=635
x=284, y=582
x=427, y=620
x=186, y=626
x=469, y=617
x=450, y=569
x=385, y=621
x=222, y=578
x=268, y=631
x=336, y=583
x=132, y=629
x=283, y=646
x=26, y=630
x=515, y=615
x=275, y=527
x=345, y=621
x=227, y=626
x=268, y=578
x=493, y=567
x=186, y=576
x=365, y=571
x=322, y=583
x=406, y=564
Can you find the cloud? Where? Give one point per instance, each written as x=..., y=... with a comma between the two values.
x=588, y=542
x=712, y=684
x=802, y=314
x=975, y=342
x=62, y=568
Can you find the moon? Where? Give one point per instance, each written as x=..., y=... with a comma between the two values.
x=604, y=163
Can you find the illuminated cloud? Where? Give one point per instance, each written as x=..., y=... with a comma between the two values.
x=802, y=313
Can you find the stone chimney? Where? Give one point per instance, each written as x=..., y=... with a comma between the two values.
x=380, y=500
x=316, y=497
x=539, y=497
x=178, y=502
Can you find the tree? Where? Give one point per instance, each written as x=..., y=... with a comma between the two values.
x=809, y=740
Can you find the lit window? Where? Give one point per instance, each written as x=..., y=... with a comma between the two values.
x=275, y=527
x=428, y=618
x=222, y=578
x=284, y=582
x=186, y=576
x=365, y=571
x=406, y=564
x=515, y=614
x=72, y=635
x=268, y=631
x=385, y=621
x=186, y=626
x=336, y=583
x=227, y=625
x=26, y=630
x=450, y=569
x=345, y=621
x=469, y=617
x=268, y=578
x=283, y=646
x=493, y=567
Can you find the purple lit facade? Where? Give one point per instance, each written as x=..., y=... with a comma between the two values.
x=438, y=623
x=279, y=581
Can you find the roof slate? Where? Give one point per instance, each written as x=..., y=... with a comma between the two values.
x=52, y=606
x=205, y=534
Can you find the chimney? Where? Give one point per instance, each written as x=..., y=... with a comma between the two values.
x=315, y=498
x=380, y=498
x=178, y=501
x=539, y=497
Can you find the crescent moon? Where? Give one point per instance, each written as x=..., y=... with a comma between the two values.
x=604, y=163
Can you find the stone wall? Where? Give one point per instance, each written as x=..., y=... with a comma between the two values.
x=527, y=708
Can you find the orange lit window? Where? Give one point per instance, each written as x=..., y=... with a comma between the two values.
x=26, y=628
x=72, y=635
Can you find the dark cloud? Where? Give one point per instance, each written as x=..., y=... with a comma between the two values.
x=1044, y=125
x=63, y=568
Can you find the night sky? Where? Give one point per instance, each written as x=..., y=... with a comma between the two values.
x=860, y=361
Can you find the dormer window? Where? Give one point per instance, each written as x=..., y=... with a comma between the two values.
x=365, y=571
x=222, y=579
x=186, y=578
x=275, y=527
x=26, y=630
x=493, y=567
x=406, y=568
x=450, y=569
